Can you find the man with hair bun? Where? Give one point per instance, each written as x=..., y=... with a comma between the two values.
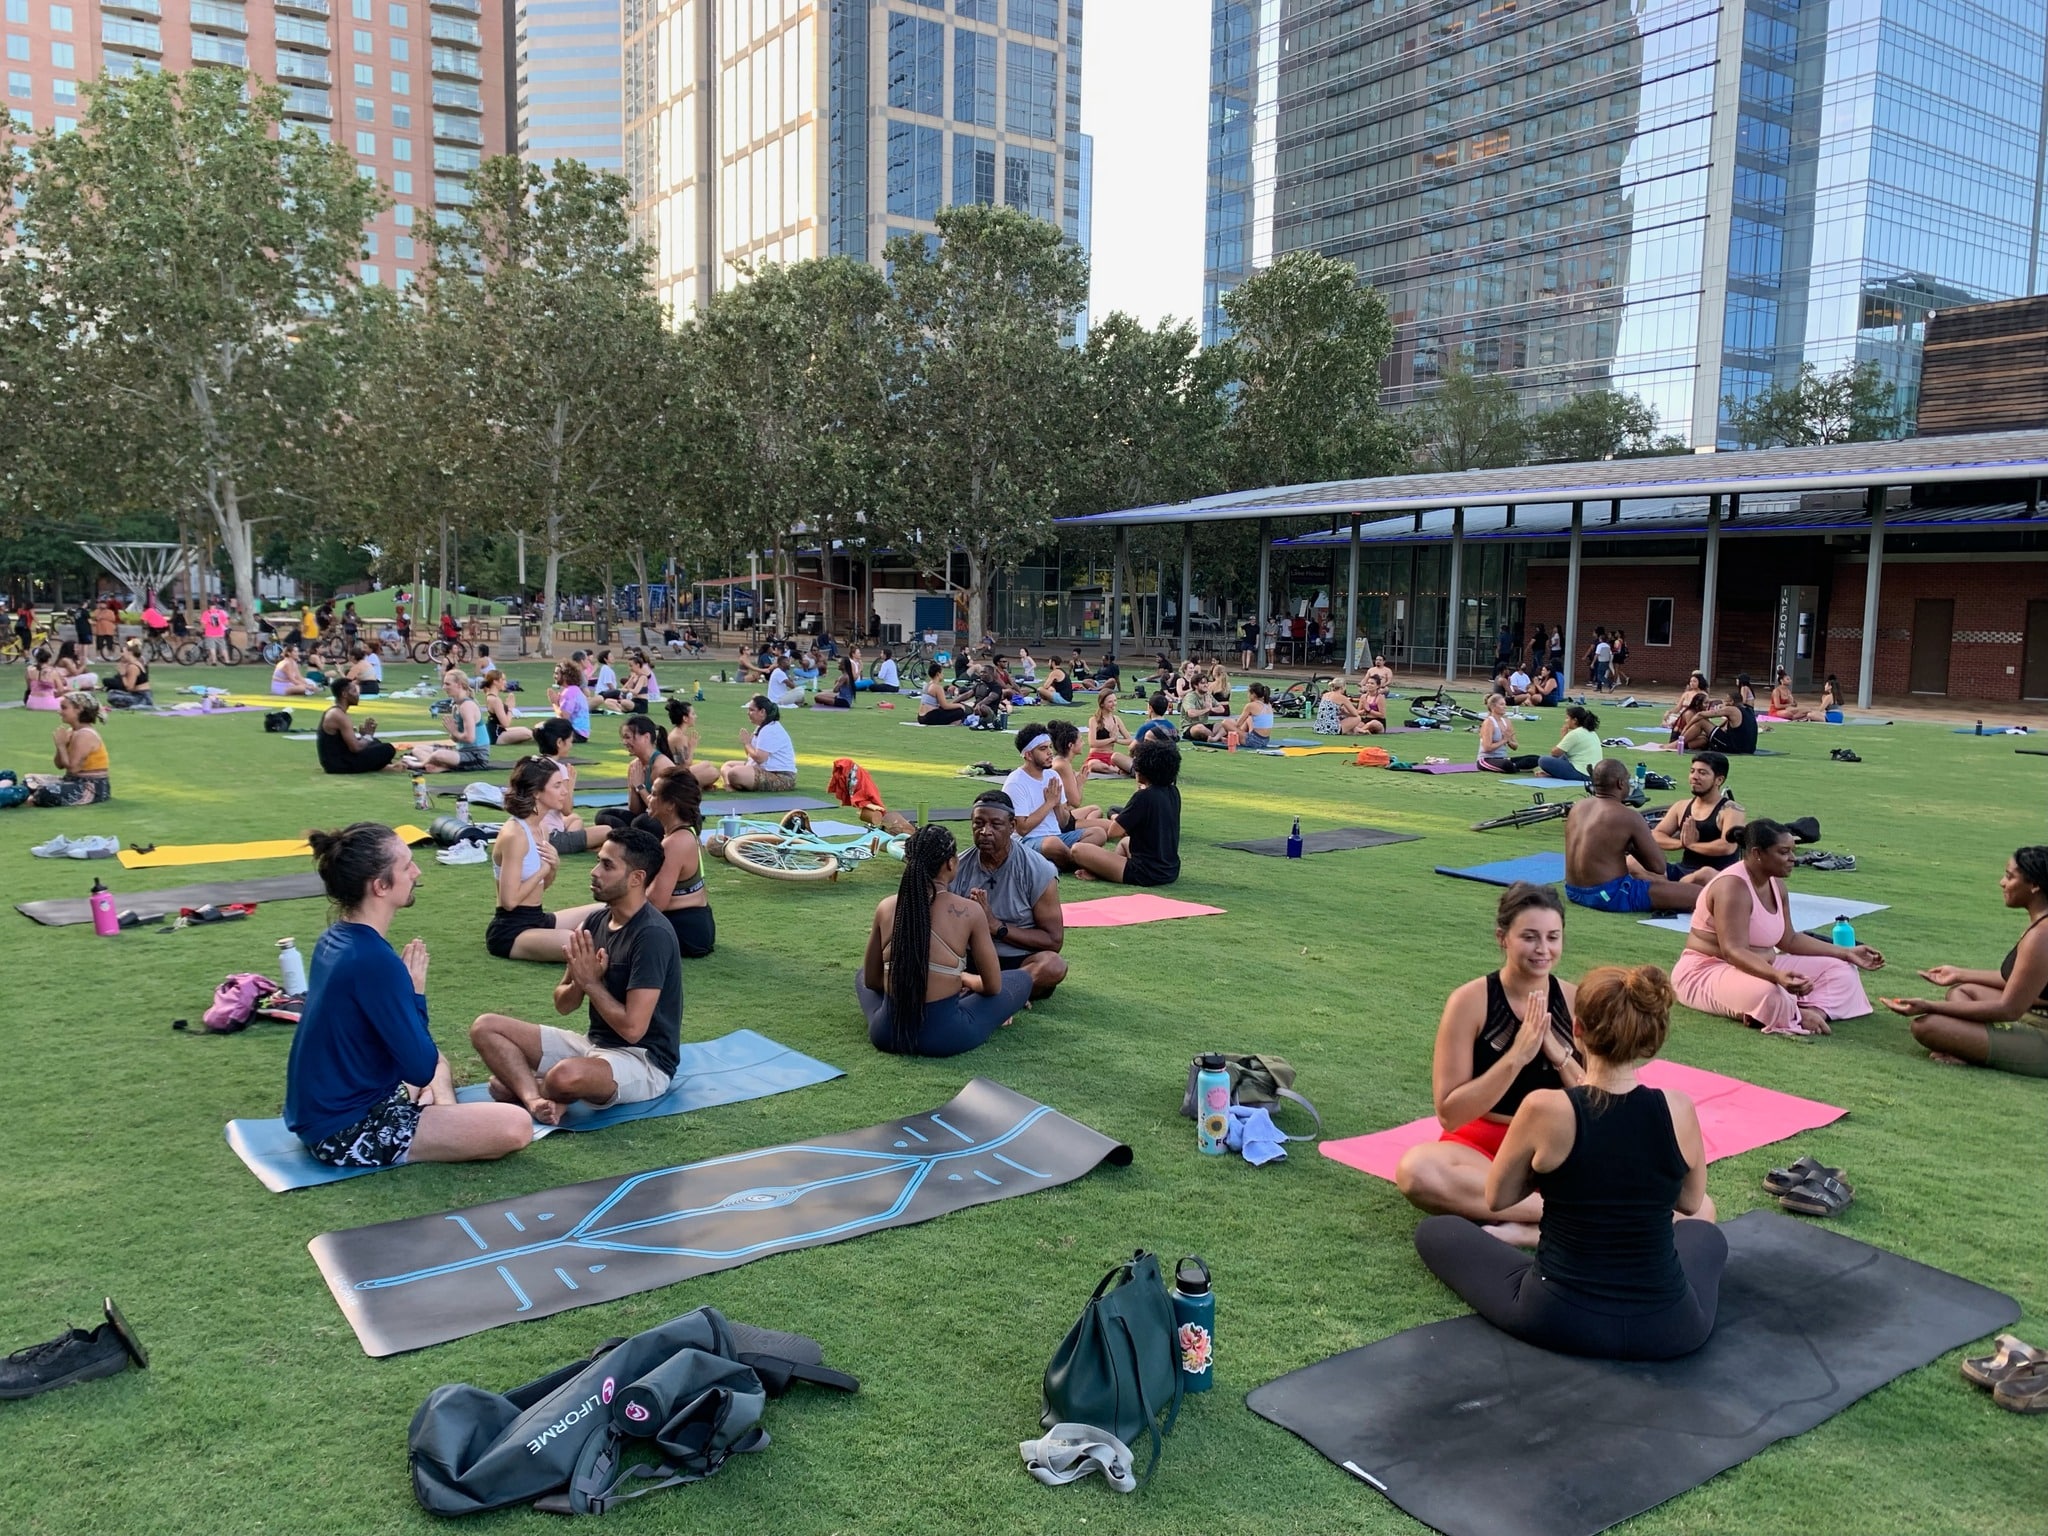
x=624, y=963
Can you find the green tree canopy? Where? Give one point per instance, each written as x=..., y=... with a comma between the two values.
x=1854, y=404
x=1599, y=424
x=1469, y=421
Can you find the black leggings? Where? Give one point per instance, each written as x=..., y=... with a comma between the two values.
x=1500, y=1283
x=946, y=716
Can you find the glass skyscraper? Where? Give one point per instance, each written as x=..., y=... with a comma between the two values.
x=1679, y=199
x=777, y=130
x=569, y=91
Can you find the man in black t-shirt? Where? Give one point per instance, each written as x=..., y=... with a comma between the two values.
x=625, y=962
x=1144, y=847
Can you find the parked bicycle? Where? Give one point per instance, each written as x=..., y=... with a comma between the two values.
x=795, y=852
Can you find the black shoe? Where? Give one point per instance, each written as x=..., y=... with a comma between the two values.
x=73, y=1356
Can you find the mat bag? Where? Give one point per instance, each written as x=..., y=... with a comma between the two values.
x=12, y=791
x=1118, y=1368
x=1256, y=1082
x=277, y=720
x=689, y=1394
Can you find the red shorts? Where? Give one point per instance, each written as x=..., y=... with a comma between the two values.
x=1482, y=1136
x=1103, y=757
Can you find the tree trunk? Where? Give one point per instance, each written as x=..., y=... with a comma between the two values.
x=550, y=581
x=977, y=593
x=441, y=582
x=238, y=536
x=646, y=594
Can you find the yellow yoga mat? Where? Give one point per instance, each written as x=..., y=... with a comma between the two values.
x=229, y=853
x=1317, y=751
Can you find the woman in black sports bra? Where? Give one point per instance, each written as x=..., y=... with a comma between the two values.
x=1995, y=1018
x=676, y=806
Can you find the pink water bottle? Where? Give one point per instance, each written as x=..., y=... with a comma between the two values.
x=105, y=921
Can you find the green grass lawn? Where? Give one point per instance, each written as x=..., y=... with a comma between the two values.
x=260, y=1413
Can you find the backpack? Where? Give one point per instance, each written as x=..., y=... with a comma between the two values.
x=235, y=1000
x=1373, y=757
x=278, y=720
x=12, y=791
x=1255, y=1081
x=690, y=1393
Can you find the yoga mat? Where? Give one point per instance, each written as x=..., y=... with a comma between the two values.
x=756, y=805
x=1808, y=913
x=1325, y=751
x=1735, y=1117
x=1478, y=1434
x=1125, y=911
x=407, y=1284
x=62, y=912
x=609, y=797
x=1994, y=730
x=955, y=812
x=732, y=1068
x=1538, y=782
x=1446, y=768
x=1545, y=868
x=1332, y=840
x=172, y=856
x=454, y=791
x=381, y=735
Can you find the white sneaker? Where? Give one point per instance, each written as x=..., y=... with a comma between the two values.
x=92, y=848
x=55, y=848
x=464, y=853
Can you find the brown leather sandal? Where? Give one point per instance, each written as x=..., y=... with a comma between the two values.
x=2012, y=1352
x=2025, y=1390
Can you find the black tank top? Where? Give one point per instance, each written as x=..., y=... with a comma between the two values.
x=1503, y=1023
x=1607, y=1206
x=2012, y=958
x=1708, y=827
x=1737, y=738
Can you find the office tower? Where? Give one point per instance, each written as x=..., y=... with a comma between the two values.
x=1680, y=199
x=569, y=82
x=777, y=130
x=400, y=82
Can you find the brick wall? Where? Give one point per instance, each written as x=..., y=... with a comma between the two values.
x=1618, y=596
x=1986, y=652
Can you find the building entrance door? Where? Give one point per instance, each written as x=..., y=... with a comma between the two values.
x=2034, y=665
x=1934, y=623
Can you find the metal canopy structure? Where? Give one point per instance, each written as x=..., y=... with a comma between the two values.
x=1681, y=496
x=142, y=567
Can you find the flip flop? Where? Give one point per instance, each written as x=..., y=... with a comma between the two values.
x=1781, y=1181
x=2025, y=1390
x=1819, y=1197
x=2013, y=1352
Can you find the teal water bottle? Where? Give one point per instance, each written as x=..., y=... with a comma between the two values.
x=1194, y=1324
x=1642, y=773
x=1294, y=840
x=1212, y=1106
x=1845, y=933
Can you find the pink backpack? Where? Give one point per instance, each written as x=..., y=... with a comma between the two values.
x=234, y=1002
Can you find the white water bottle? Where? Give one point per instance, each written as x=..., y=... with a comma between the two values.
x=291, y=967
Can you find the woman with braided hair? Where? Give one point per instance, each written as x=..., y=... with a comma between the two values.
x=931, y=984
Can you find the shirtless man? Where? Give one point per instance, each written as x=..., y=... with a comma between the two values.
x=1379, y=674
x=1701, y=831
x=1601, y=833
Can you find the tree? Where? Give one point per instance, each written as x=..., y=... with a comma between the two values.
x=1303, y=370
x=198, y=247
x=1155, y=413
x=988, y=413
x=1469, y=421
x=1599, y=424
x=1854, y=404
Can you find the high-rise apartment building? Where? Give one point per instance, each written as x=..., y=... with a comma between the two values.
x=778, y=130
x=400, y=82
x=1680, y=199
x=568, y=68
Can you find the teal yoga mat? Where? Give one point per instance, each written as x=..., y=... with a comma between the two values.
x=1545, y=868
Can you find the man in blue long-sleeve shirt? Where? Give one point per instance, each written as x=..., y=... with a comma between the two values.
x=365, y=1086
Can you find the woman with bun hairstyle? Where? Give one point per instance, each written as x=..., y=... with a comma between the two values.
x=676, y=816
x=1620, y=1272
x=1995, y=1018
x=527, y=862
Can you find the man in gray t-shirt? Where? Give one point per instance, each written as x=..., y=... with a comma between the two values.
x=1019, y=889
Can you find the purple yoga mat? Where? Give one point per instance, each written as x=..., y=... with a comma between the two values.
x=1447, y=768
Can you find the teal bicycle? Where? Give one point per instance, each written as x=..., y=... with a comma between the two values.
x=796, y=852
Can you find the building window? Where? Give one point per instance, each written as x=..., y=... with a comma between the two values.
x=17, y=10
x=26, y=122
x=366, y=143
x=401, y=279
x=366, y=74
x=370, y=276
x=1756, y=251
x=1767, y=141
x=1761, y=190
x=364, y=40
x=401, y=115
x=1657, y=626
x=64, y=124
x=401, y=245
x=974, y=79
x=64, y=92
x=399, y=17
x=401, y=82
x=1041, y=18
x=366, y=109
x=63, y=56
x=917, y=64
x=21, y=83
x=1752, y=324
x=401, y=149
x=1032, y=76
x=401, y=215
x=363, y=10
x=974, y=169
x=17, y=47
x=401, y=182
x=401, y=50
x=1028, y=181
x=370, y=242
x=60, y=18
x=913, y=176
x=977, y=10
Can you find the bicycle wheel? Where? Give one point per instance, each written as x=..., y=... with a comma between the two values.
x=422, y=652
x=271, y=651
x=235, y=656
x=771, y=854
x=189, y=654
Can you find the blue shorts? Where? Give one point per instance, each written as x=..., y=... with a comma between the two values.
x=1068, y=839
x=1624, y=893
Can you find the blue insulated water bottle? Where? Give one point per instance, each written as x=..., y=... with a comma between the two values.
x=1194, y=1324
x=1212, y=1106
x=1845, y=933
x=1294, y=840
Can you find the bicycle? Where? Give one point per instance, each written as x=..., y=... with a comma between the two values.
x=14, y=648
x=1441, y=709
x=795, y=852
x=1528, y=815
x=440, y=651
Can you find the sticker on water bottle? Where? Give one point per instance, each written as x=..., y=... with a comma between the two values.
x=1194, y=1348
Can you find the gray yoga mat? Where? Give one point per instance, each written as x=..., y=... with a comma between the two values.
x=62, y=912
x=454, y=791
x=755, y=805
x=1334, y=840
x=1478, y=1434
x=407, y=1284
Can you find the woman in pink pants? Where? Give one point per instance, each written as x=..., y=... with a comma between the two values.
x=1744, y=959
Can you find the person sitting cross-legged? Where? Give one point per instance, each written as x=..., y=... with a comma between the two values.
x=527, y=856
x=1019, y=890
x=1601, y=833
x=1628, y=1265
x=365, y=1085
x=930, y=983
x=1144, y=846
x=1704, y=831
x=1998, y=1018
x=345, y=747
x=1038, y=793
x=468, y=746
x=623, y=962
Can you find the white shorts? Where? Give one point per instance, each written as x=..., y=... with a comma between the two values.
x=636, y=1076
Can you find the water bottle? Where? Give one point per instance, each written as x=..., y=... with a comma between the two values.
x=462, y=809
x=105, y=921
x=1845, y=933
x=1194, y=1318
x=1212, y=1106
x=291, y=967
x=1294, y=840
x=1642, y=773
x=421, y=800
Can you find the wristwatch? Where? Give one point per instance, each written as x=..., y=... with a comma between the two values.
x=1002, y=932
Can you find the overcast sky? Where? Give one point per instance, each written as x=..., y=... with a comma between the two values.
x=1144, y=96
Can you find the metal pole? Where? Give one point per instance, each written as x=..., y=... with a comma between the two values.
x=1116, y=588
x=1351, y=606
x=1454, y=598
x=1571, y=597
x=1264, y=656
x=1866, y=677
x=1710, y=589
x=522, y=563
x=1187, y=582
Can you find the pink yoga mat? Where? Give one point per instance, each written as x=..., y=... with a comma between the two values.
x=1735, y=1117
x=1122, y=911
x=1446, y=767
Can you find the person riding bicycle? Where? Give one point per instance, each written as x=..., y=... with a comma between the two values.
x=450, y=630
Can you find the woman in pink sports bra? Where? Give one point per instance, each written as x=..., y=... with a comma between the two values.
x=43, y=692
x=1774, y=977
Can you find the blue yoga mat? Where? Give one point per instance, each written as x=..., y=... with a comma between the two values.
x=602, y=798
x=1992, y=730
x=1542, y=868
x=741, y=1065
x=1543, y=783
x=760, y=805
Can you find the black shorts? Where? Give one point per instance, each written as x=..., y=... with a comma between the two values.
x=695, y=929
x=378, y=1140
x=506, y=926
x=570, y=842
